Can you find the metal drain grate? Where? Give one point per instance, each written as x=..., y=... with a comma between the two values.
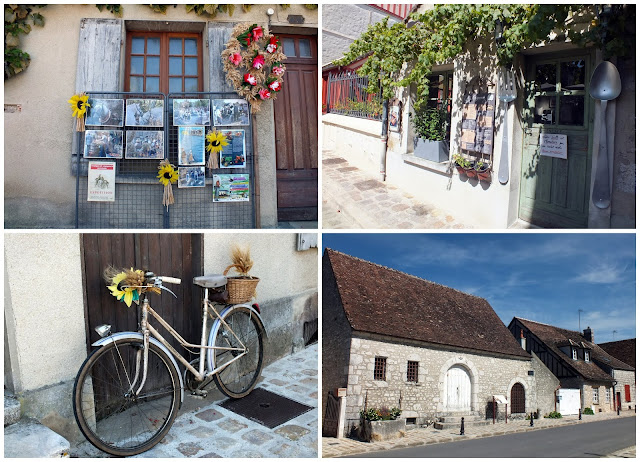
x=266, y=408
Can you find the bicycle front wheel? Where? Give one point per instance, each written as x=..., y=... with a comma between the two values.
x=241, y=345
x=109, y=411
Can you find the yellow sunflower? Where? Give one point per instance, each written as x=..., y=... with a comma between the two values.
x=216, y=141
x=167, y=173
x=127, y=294
x=79, y=105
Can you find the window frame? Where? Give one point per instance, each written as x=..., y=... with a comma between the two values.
x=596, y=395
x=586, y=356
x=164, y=55
x=413, y=368
x=574, y=354
x=446, y=97
x=380, y=368
x=607, y=395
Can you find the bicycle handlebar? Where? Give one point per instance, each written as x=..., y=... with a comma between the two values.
x=170, y=280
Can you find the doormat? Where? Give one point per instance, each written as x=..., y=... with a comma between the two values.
x=266, y=408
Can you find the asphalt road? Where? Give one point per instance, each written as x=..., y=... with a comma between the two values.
x=596, y=439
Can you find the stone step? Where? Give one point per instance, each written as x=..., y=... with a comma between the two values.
x=456, y=424
x=11, y=410
x=29, y=438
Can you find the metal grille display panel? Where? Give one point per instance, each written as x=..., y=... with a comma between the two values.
x=138, y=193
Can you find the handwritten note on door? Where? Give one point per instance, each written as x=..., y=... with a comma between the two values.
x=553, y=145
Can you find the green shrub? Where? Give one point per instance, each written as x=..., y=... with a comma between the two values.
x=587, y=411
x=553, y=415
x=384, y=413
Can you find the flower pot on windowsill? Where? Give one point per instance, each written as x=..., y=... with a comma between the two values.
x=471, y=171
x=483, y=171
x=435, y=151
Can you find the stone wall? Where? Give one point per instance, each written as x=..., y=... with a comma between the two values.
x=336, y=336
x=425, y=400
x=546, y=385
x=625, y=378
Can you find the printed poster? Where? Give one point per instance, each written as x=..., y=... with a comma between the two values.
x=105, y=112
x=101, y=186
x=191, y=177
x=191, y=145
x=142, y=144
x=231, y=188
x=230, y=112
x=233, y=155
x=103, y=143
x=145, y=113
x=191, y=112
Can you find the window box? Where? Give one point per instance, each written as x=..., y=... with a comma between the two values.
x=435, y=151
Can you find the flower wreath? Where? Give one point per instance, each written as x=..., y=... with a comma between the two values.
x=252, y=62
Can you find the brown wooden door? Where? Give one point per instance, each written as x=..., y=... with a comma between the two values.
x=296, y=114
x=177, y=255
x=517, y=399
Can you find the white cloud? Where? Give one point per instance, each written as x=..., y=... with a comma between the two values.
x=601, y=273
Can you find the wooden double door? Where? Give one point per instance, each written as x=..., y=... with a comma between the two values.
x=296, y=120
x=554, y=192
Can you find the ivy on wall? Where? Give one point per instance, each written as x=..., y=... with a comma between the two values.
x=402, y=54
x=19, y=18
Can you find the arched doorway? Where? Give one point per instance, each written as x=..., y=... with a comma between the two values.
x=458, y=389
x=517, y=398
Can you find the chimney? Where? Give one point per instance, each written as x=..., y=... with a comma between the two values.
x=588, y=334
x=523, y=341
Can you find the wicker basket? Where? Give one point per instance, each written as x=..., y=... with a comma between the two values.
x=241, y=289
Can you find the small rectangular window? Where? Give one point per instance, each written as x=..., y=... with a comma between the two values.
x=596, y=396
x=607, y=395
x=574, y=353
x=586, y=356
x=412, y=371
x=380, y=369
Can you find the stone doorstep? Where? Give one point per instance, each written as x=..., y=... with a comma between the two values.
x=450, y=425
x=11, y=410
x=29, y=438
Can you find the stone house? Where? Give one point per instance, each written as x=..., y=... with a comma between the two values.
x=45, y=343
x=625, y=351
x=579, y=363
x=169, y=56
x=396, y=340
x=541, y=190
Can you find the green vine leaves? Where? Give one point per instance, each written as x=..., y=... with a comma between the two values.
x=399, y=55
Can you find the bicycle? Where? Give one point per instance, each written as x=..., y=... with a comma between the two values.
x=129, y=389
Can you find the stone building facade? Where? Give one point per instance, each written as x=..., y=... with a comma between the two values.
x=394, y=340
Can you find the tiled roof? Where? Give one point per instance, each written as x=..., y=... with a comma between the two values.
x=624, y=350
x=384, y=301
x=554, y=337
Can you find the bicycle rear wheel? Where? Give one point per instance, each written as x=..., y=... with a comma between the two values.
x=108, y=411
x=240, y=376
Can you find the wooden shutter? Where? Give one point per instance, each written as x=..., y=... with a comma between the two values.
x=627, y=393
x=99, y=55
x=219, y=34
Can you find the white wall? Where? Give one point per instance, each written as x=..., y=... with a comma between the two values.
x=44, y=308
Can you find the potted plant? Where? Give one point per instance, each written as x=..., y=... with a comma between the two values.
x=430, y=125
x=483, y=171
x=462, y=164
x=471, y=169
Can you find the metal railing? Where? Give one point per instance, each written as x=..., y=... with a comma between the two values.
x=347, y=95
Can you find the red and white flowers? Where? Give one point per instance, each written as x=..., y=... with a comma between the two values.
x=264, y=94
x=257, y=33
x=235, y=58
x=273, y=44
x=258, y=62
x=275, y=85
x=278, y=70
x=250, y=79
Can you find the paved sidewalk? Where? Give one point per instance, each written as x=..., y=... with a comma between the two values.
x=355, y=199
x=205, y=429
x=628, y=453
x=333, y=447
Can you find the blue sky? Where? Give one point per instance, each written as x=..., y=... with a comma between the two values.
x=538, y=276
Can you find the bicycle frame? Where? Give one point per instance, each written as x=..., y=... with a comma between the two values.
x=146, y=329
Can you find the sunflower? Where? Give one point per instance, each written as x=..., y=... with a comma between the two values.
x=79, y=105
x=167, y=173
x=126, y=294
x=216, y=141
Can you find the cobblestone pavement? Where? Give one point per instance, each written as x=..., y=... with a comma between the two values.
x=355, y=199
x=213, y=431
x=628, y=453
x=333, y=447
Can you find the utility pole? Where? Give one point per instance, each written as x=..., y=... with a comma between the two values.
x=579, y=329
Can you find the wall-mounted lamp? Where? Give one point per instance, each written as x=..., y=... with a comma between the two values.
x=270, y=12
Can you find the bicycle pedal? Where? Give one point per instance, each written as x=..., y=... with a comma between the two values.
x=199, y=393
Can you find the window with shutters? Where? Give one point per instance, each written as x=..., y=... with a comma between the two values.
x=380, y=368
x=412, y=371
x=167, y=62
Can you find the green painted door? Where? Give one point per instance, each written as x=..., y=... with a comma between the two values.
x=554, y=192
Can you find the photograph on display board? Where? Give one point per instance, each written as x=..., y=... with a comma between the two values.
x=191, y=177
x=103, y=143
x=191, y=112
x=233, y=155
x=145, y=113
x=231, y=187
x=105, y=112
x=230, y=112
x=101, y=185
x=191, y=145
x=144, y=145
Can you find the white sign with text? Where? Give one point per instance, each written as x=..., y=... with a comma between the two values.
x=553, y=145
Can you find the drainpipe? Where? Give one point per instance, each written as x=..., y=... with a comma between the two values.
x=555, y=398
x=383, y=138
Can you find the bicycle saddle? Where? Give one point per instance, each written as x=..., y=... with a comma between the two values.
x=210, y=281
